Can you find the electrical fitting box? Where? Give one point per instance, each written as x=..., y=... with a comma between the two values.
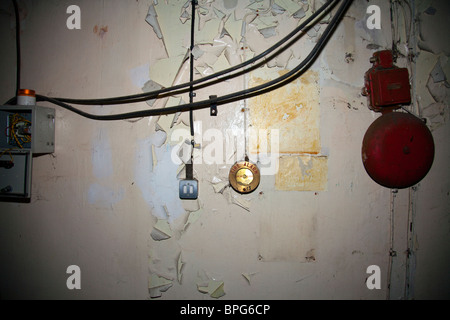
x=386, y=84
x=25, y=131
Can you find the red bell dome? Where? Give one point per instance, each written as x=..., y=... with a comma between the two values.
x=397, y=150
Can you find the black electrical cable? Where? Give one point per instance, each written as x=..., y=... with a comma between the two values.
x=191, y=67
x=154, y=94
x=18, y=53
x=244, y=94
x=190, y=165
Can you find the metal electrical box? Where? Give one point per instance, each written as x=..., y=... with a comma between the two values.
x=25, y=131
x=386, y=84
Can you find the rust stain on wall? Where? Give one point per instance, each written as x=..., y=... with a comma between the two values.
x=302, y=173
x=101, y=31
x=293, y=110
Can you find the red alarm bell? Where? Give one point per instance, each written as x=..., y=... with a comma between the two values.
x=398, y=148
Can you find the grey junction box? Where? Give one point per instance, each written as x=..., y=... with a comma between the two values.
x=24, y=131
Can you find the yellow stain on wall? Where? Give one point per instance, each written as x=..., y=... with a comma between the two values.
x=292, y=109
x=302, y=173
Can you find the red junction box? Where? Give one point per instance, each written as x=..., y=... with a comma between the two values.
x=386, y=84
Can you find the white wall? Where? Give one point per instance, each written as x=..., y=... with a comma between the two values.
x=96, y=200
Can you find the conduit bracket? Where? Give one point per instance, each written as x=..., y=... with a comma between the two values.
x=213, y=107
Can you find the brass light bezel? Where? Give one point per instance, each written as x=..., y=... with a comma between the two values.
x=242, y=186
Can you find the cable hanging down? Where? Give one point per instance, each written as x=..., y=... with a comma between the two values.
x=18, y=54
x=243, y=94
x=190, y=165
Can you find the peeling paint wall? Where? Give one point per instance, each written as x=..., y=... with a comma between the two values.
x=107, y=199
x=431, y=205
